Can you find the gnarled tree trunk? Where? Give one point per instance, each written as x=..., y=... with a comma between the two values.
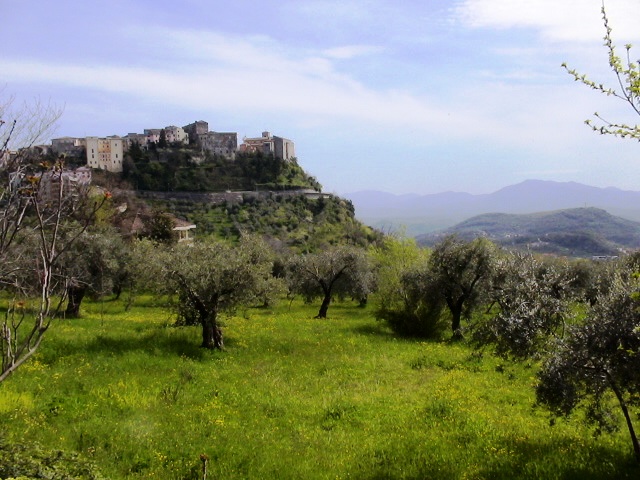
x=75, y=294
x=211, y=332
x=325, y=306
x=455, y=307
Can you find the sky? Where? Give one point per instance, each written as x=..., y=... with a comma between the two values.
x=411, y=96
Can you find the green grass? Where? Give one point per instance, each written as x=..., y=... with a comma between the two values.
x=291, y=397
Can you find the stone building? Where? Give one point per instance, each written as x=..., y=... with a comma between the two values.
x=218, y=143
x=68, y=145
x=130, y=138
x=175, y=134
x=172, y=133
x=196, y=128
x=152, y=134
x=269, y=144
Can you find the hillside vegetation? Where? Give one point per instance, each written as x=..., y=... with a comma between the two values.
x=575, y=232
x=188, y=169
x=297, y=221
x=273, y=197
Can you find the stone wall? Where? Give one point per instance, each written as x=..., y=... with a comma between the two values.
x=219, y=198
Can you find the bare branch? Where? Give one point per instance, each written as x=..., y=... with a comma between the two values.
x=627, y=75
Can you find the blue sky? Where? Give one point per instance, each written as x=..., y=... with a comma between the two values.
x=413, y=96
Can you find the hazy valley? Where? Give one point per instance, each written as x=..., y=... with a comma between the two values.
x=421, y=214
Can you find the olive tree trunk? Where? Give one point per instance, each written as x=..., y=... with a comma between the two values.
x=75, y=294
x=324, y=307
x=211, y=332
x=627, y=417
x=455, y=307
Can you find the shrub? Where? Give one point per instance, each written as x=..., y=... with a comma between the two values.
x=23, y=461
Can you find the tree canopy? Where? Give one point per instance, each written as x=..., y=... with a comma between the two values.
x=533, y=300
x=597, y=364
x=458, y=272
x=341, y=270
x=207, y=279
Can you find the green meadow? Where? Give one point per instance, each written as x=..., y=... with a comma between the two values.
x=291, y=397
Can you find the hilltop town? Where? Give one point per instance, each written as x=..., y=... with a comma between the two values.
x=193, y=176
x=107, y=153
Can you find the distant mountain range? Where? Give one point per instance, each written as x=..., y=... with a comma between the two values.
x=420, y=214
x=576, y=232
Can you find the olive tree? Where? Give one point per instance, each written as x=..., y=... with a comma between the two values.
x=458, y=275
x=532, y=302
x=91, y=266
x=597, y=364
x=207, y=278
x=340, y=270
x=591, y=362
x=402, y=298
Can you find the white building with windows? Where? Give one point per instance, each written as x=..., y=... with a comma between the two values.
x=105, y=153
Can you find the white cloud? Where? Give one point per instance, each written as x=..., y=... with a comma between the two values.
x=256, y=74
x=208, y=70
x=308, y=87
x=566, y=20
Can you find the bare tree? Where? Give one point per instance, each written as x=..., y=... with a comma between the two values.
x=24, y=126
x=35, y=230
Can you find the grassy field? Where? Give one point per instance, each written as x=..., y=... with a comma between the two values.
x=290, y=398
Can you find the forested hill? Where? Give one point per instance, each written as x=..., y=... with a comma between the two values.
x=575, y=232
x=260, y=194
x=189, y=169
x=420, y=214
